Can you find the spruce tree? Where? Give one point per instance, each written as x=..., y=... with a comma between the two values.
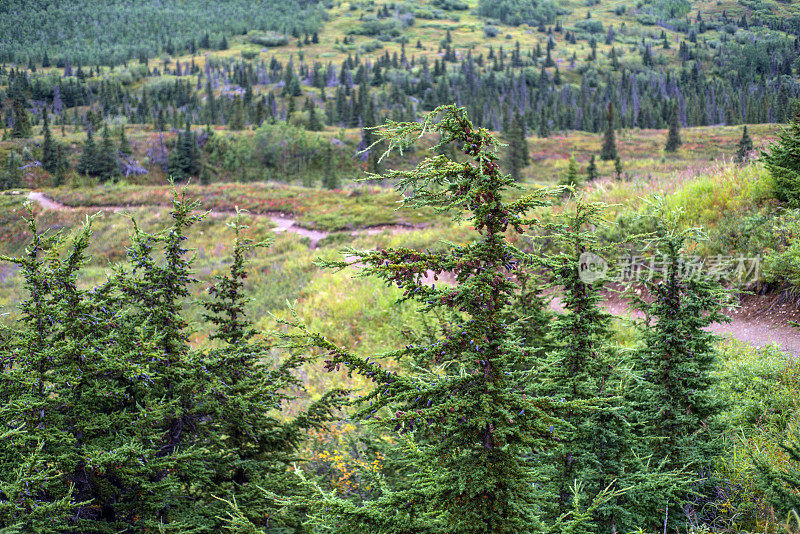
x=22, y=126
x=463, y=415
x=330, y=179
x=124, y=145
x=782, y=160
x=107, y=163
x=677, y=407
x=155, y=286
x=211, y=111
x=674, y=136
x=49, y=156
x=11, y=175
x=618, y=168
x=572, y=177
x=62, y=166
x=261, y=113
x=314, y=122
x=591, y=169
x=252, y=445
x=87, y=164
x=184, y=160
x=745, y=146
x=597, y=447
x=79, y=385
x=236, y=121
x=609, y=151
x=518, y=157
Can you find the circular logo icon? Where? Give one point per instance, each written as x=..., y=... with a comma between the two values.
x=591, y=267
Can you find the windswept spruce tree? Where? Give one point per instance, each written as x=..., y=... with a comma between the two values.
x=465, y=415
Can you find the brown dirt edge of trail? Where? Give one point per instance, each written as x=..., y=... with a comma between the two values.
x=282, y=221
x=758, y=321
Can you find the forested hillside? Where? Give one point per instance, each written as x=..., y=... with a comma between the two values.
x=83, y=32
x=394, y=267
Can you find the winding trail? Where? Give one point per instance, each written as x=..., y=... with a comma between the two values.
x=283, y=223
x=757, y=322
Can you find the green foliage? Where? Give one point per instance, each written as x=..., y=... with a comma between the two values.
x=113, y=422
x=673, y=135
x=596, y=444
x=516, y=12
x=676, y=405
x=288, y=152
x=112, y=32
x=22, y=126
x=269, y=39
x=591, y=169
x=782, y=160
x=83, y=403
x=49, y=151
x=782, y=261
x=609, y=150
x=463, y=415
x=252, y=446
x=745, y=146
x=124, y=145
x=758, y=389
x=88, y=162
x=371, y=26
x=572, y=177
x=668, y=9
x=11, y=173
x=107, y=165
x=518, y=150
x=184, y=160
x=236, y=121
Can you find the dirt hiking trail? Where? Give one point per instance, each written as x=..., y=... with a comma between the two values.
x=282, y=222
x=758, y=322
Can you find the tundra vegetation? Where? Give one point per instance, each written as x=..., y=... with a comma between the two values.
x=399, y=266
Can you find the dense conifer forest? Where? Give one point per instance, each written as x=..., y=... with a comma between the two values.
x=399, y=267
